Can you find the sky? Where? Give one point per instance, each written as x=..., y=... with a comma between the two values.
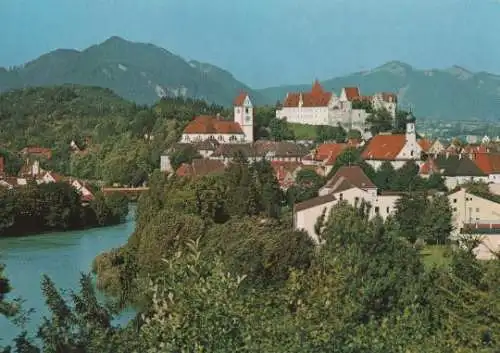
x=267, y=42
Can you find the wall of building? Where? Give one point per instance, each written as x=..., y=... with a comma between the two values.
x=221, y=138
x=381, y=205
x=469, y=208
x=306, y=219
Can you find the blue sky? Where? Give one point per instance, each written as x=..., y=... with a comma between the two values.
x=267, y=42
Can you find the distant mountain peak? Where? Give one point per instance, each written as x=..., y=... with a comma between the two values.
x=116, y=39
x=395, y=67
x=460, y=72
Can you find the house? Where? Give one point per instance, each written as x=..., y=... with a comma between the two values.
x=50, y=177
x=320, y=107
x=285, y=173
x=425, y=144
x=37, y=152
x=13, y=182
x=283, y=151
x=30, y=169
x=479, y=216
x=395, y=148
x=325, y=155
x=348, y=177
x=437, y=147
x=83, y=189
x=200, y=167
x=349, y=184
x=489, y=163
x=456, y=169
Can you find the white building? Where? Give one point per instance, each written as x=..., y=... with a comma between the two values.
x=319, y=107
x=349, y=184
x=215, y=128
x=395, y=148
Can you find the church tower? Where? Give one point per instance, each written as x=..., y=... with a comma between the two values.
x=243, y=115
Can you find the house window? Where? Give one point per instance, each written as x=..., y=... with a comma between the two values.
x=477, y=209
x=411, y=153
x=377, y=210
x=454, y=200
x=246, y=110
x=454, y=209
x=388, y=209
x=341, y=197
x=356, y=199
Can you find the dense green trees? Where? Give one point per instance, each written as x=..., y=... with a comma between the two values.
x=364, y=290
x=55, y=207
x=123, y=142
x=326, y=133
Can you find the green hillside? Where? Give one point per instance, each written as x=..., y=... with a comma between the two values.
x=136, y=71
x=450, y=94
x=111, y=131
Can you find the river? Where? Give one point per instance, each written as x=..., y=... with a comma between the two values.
x=62, y=256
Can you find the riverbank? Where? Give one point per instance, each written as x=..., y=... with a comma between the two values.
x=62, y=256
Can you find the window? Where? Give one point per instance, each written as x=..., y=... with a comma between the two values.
x=411, y=153
x=454, y=209
x=454, y=200
x=341, y=197
x=377, y=210
x=356, y=199
x=477, y=209
x=246, y=110
x=388, y=209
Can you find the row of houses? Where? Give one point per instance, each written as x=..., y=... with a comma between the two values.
x=457, y=164
x=350, y=184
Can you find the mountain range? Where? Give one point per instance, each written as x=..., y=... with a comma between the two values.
x=144, y=73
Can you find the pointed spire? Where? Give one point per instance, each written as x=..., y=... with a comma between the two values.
x=316, y=88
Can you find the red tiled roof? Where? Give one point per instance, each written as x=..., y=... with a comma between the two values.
x=240, y=99
x=352, y=93
x=428, y=167
x=212, y=125
x=425, y=144
x=317, y=97
x=283, y=172
x=328, y=152
x=200, y=167
x=488, y=163
x=47, y=152
x=87, y=198
x=384, y=147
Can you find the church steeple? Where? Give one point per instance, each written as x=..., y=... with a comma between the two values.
x=316, y=88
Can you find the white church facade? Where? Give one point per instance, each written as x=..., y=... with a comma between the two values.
x=320, y=107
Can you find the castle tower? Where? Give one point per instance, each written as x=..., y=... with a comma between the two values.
x=243, y=115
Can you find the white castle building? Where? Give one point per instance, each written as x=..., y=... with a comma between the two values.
x=319, y=107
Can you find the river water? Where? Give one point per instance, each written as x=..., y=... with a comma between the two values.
x=62, y=256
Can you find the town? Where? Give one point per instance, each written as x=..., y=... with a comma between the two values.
x=217, y=141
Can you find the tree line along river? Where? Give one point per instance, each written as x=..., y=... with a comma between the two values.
x=62, y=256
